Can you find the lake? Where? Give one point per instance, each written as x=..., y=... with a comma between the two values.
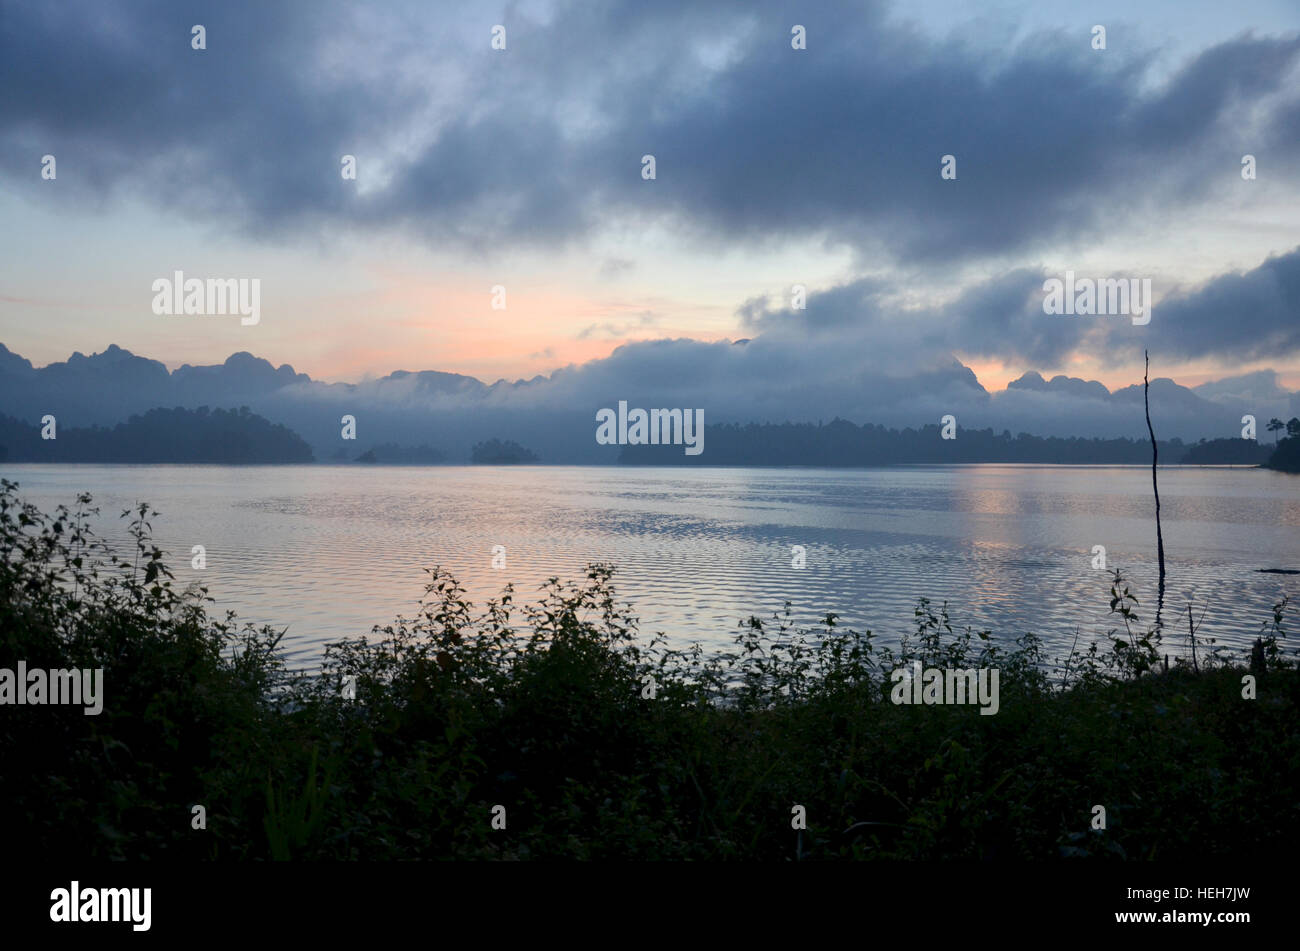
x=329, y=551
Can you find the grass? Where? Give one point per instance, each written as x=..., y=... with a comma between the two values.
x=545, y=709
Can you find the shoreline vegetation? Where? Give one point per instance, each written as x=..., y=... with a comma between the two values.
x=164, y=436
x=407, y=743
x=1286, y=456
x=238, y=436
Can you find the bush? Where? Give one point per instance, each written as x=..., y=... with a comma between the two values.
x=404, y=742
x=1286, y=456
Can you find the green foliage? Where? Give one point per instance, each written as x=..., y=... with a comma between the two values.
x=543, y=708
x=203, y=435
x=291, y=823
x=1287, y=455
x=1230, y=450
x=843, y=443
x=494, y=452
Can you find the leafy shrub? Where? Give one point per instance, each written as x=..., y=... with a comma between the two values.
x=403, y=742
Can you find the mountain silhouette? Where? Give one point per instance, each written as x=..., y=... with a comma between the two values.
x=555, y=415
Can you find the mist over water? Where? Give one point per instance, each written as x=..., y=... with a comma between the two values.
x=330, y=551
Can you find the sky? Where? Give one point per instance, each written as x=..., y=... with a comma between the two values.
x=522, y=168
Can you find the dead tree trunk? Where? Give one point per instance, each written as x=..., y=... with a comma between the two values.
x=1155, y=487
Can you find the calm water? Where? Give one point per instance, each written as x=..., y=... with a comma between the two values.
x=330, y=551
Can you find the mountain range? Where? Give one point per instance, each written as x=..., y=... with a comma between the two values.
x=555, y=415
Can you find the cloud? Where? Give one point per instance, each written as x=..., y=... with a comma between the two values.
x=646, y=318
x=1235, y=317
x=755, y=142
x=615, y=267
x=1001, y=315
x=1240, y=316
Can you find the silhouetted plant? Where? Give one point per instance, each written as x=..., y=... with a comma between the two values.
x=604, y=744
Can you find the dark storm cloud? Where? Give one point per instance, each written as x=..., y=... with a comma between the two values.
x=1236, y=317
x=1001, y=316
x=1004, y=316
x=857, y=304
x=249, y=130
x=754, y=141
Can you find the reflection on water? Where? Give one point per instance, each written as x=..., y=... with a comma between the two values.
x=331, y=550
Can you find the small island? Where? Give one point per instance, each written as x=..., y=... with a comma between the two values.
x=203, y=435
x=494, y=452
